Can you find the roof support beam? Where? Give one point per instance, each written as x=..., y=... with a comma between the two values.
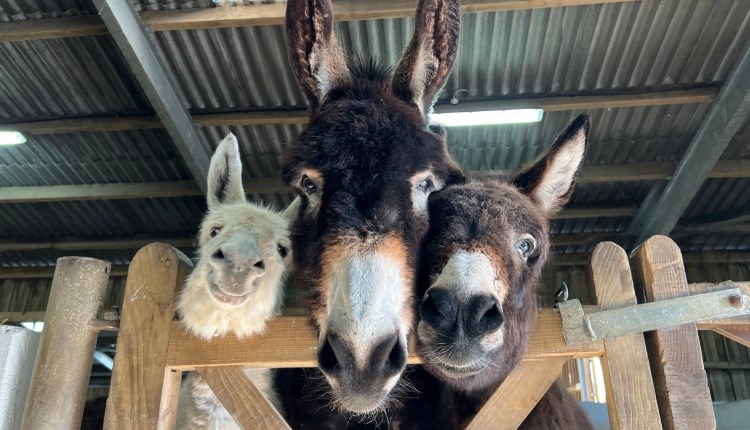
x=725, y=117
x=261, y=14
x=629, y=172
x=300, y=116
x=126, y=28
x=90, y=244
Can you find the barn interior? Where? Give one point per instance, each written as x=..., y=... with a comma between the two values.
x=120, y=121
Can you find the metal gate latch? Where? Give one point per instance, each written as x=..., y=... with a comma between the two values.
x=579, y=327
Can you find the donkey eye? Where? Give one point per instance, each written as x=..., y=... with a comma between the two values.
x=426, y=185
x=308, y=185
x=283, y=251
x=214, y=231
x=525, y=247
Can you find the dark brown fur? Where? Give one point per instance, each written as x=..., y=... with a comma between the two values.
x=354, y=168
x=488, y=215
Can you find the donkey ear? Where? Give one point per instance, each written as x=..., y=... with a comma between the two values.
x=550, y=180
x=429, y=58
x=291, y=211
x=225, y=174
x=315, y=56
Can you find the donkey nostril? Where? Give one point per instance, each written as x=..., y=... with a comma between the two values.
x=260, y=264
x=438, y=309
x=492, y=319
x=396, y=359
x=328, y=360
x=483, y=315
x=219, y=255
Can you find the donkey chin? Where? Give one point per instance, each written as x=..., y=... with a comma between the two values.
x=232, y=290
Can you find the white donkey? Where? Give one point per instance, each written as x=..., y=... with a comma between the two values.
x=237, y=283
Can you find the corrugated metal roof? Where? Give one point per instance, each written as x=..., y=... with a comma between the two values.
x=164, y=216
x=92, y=158
x=75, y=76
x=597, y=49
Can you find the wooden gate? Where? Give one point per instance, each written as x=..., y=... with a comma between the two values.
x=153, y=351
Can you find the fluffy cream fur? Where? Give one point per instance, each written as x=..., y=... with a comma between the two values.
x=259, y=231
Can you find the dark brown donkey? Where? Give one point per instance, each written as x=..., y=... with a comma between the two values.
x=364, y=168
x=487, y=243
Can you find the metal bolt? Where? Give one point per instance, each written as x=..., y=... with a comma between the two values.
x=736, y=301
x=112, y=314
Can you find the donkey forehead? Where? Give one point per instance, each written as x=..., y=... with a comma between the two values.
x=246, y=218
x=483, y=215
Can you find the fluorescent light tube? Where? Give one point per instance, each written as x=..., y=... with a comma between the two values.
x=11, y=138
x=490, y=117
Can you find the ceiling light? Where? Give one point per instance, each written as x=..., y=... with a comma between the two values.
x=11, y=138
x=490, y=117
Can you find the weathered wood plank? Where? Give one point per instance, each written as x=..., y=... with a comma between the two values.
x=291, y=342
x=674, y=354
x=170, y=394
x=135, y=393
x=242, y=399
x=631, y=399
x=739, y=333
x=511, y=403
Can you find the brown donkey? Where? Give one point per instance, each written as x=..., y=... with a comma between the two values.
x=364, y=168
x=487, y=244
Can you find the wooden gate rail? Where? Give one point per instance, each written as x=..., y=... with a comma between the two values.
x=153, y=350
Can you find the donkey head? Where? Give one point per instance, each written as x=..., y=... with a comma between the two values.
x=487, y=243
x=244, y=253
x=364, y=168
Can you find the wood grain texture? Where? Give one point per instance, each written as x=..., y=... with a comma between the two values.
x=739, y=333
x=631, y=399
x=291, y=342
x=259, y=14
x=247, y=405
x=170, y=394
x=675, y=354
x=154, y=277
x=511, y=403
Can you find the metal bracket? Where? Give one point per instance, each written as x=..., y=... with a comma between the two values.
x=581, y=328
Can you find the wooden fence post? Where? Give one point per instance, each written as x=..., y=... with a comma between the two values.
x=154, y=277
x=675, y=354
x=63, y=362
x=631, y=400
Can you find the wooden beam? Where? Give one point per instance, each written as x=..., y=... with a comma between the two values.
x=300, y=116
x=629, y=172
x=19, y=317
x=129, y=34
x=725, y=117
x=291, y=342
x=137, y=241
x=88, y=244
x=48, y=272
x=597, y=212
x=262, y=14
x=245, y=403
x=698, y=228
x=135, y=190
x=712, y=257
x=519, y=393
